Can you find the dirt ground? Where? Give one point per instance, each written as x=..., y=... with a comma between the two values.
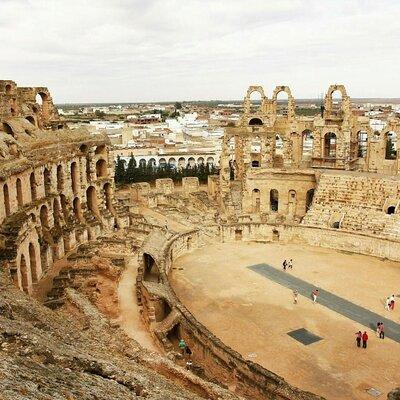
x=252, y=314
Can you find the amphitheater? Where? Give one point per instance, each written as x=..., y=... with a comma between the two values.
x=98, y=285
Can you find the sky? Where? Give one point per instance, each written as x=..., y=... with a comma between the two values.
x=161, y=50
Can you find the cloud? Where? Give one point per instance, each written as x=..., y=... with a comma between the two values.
x=153, y=50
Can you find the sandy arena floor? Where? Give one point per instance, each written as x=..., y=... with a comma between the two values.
x=252, y=314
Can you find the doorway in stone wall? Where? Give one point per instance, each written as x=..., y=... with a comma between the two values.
x=238, y=234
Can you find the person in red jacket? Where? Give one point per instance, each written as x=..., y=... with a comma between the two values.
x=365, y=339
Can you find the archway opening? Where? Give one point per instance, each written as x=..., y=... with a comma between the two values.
x=255, y=121
x=162, y=162
x=47, y=182
x=142, y=163
x=32, y=182
x=172, y=162
x=255, y=101
x=282, y=101
x=151, y=272
x=309, y=198
x=33, y=263
x=74, y=177
x=101, y=168
x=274, y=200
x=8, y=89
x=44, y=217
x=7, y=129
x=31, y=120
x=256, y=200
x=330, y=145
x=19, y=192
x=191, y=162
x=151, y=163
x=91, y=198
x=292, y=202
x=362, y=144
x=307, y=144
x=255, y=163
x=41, y=98
x=337, y=100
x=391, y=146
x=391, y=210
x=23, y=267
x=6, y=195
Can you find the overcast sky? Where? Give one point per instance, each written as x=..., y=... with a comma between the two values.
x=151, y=50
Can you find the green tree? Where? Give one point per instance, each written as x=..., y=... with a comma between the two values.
x=130, y=174
x=119, y=171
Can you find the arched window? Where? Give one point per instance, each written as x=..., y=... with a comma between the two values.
x=274, y=200
x=210, y=161
x=31, y=120
x=162, y=162
x=282, y=100
x=91, y=198
x=60, y=178
x=255, y=121
x=256, y=200
x=191, y=162
x=142, y=163
x=101, y=168
x=337, y=98
x=391, y=210
x=32, y=182
x=255, y=101
x=47, y=182
x=19, y=193
x=200, y=161
x=6, y=195
x=255, y=163
x=7, y=129
x=74, y=177
x=391, y=146
x=151, y=163
x=181, y=162
x=330, y=145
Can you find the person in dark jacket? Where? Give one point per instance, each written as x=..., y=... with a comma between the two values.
x=364, y=339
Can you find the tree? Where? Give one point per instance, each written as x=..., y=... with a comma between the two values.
x=119, y=171
x=99, y=113
x=130, y=173
x=178, y=105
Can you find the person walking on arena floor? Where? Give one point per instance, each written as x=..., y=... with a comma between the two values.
x=381, y=331
x=295, y=296
x=358, y=338
x=365, y=339
x=314, y=295
x=290, y=264
x=378, y=329
x=182, y=346
x=284, y=265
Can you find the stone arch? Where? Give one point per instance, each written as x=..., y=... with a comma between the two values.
x=44, y=217
x=191, y=162
x=47, y=182
x=330, y=142
x=60, y=177
x=108, y=196
x=31, y=120
x=362, y=143
x=292, y=202
x=151, y=271
x=255, y=100
x=274, y=200
x=200, y=161
x=33, y=185
x=91, y=199
x=101, y=168
x=307, y=144
x=390, y=145
x=8, y=129
x=34, y=264
x=255, y=199
x=20, y=198
x=74, y=177
x=25, y=274
x=336, y=108
x=210, y=160
x=255, y=121
x=142, y=163
x=162, y=162
x=172, y=162
x=286, y=108
x=181, y=162
x=41, y=97
x=152, y=163
x=7, y=204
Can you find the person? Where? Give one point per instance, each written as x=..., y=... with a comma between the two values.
x=391, y=305
x=387, y=304
x=182, y=346
x=284, y=264
x=314, y=294
x=295, y=296
x=358, y=338
x=365, y=339
x=166, y=225
x=381, y=331
x=290, y=264
x=378, y=329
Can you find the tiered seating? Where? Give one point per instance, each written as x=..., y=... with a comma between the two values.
x=355, y=202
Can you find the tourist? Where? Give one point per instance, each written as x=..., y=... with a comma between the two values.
x=378, y=329
x=387, y=304
x=364, y=339
x=391, y=305
x=358, y=338
x=182, y=346
x=381, y=331
x=284, y=264
x=290, y=264
x=314, y=295
x=295, y=296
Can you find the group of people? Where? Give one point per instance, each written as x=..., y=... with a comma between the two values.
x=380, y=330
x=362, y=337
x=389, y=305
x=287, y=264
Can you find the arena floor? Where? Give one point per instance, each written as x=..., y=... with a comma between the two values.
x=253, y=314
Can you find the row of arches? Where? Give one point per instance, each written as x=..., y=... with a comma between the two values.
x=175, y=162
x=274, y=200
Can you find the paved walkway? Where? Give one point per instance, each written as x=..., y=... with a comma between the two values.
x=338, y=304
